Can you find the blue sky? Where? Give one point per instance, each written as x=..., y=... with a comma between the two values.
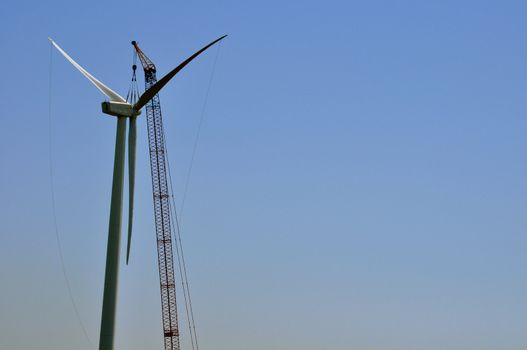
x=360, y=180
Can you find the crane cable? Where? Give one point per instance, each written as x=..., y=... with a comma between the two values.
x=198, y=132
x=177, y=219
x=181, y=266
x=133, y=90
x=54, y=208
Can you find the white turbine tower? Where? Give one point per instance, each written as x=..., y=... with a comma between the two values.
x=117, y=106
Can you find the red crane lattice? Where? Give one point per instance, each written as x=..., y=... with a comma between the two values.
x=161, y=196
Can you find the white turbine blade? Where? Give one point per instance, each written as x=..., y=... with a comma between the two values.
x=112, y=95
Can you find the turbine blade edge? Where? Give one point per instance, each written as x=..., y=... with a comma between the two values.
x=112, y=95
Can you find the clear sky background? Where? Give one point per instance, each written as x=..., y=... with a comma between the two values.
x=360, y=181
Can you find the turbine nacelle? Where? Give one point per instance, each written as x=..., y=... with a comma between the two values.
x=119, y=109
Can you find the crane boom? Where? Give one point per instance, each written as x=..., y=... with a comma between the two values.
x=158, y=167
x=161, y=197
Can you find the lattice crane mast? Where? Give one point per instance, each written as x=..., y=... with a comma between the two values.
x=161, y=196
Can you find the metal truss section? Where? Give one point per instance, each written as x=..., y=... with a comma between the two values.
x=161, y=196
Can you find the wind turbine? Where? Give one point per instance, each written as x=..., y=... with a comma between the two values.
x=117, y=106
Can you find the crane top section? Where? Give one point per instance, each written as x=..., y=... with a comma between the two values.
x=148, y=65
